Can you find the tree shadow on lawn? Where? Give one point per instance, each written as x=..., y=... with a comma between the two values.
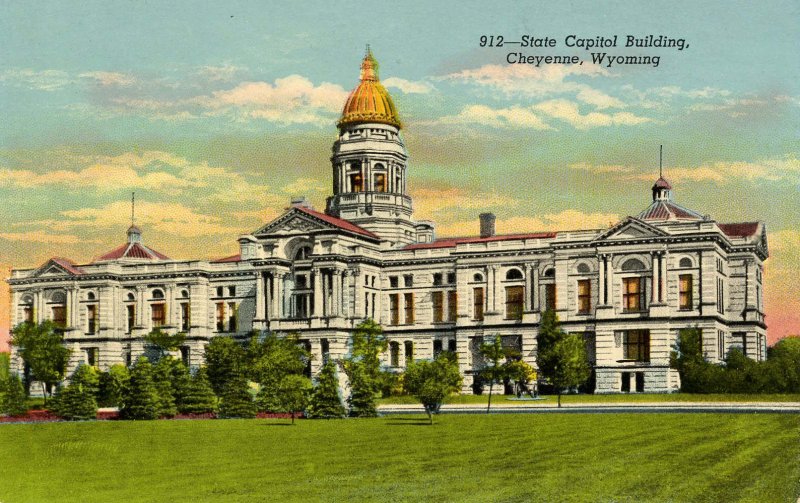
x=277, y=424
x=408, y=421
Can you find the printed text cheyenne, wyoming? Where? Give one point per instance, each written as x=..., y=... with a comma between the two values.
x=593, y=44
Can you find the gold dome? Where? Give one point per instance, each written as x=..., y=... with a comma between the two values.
x=369, y=101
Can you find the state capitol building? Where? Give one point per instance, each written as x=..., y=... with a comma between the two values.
x=628, y=289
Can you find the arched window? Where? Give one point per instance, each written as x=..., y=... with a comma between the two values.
x=302, y=253
x=477, y=277
x=394, y=354
x=685, y=262
x=583, y=268
x=58, y=298
x=131, y=296
x=90, y=296
x=633, y=264
x=514, y=274
x=356, y=179
x=549, y=273
x=185, y=294
x=379, y=178
x=409, y=348
x=158, y=294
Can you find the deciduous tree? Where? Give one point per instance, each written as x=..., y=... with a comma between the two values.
x=225, y=358
x=494, y=357
x=561, y=357
x=293, y=394
x=163, y=342
x=432, y=382
x=41, y=347
x=363, y=368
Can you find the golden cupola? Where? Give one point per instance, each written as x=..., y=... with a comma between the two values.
x=369, y=101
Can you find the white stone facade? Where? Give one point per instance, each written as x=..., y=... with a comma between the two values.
x=629, y=288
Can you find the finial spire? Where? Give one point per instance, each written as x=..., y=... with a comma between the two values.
x=368, y=52
x=133, y=208
x=660, y=161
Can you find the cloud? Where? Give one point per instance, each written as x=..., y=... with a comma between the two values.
x=106, y=79
x=41, y=80
x=43, y=237
x=429, y=201
x=304, y=186
x=408, y=86
x=292, y=99
x=569, y=112
x=566, y=220
x=171, y=218
x=512, y=117
x=215, y=73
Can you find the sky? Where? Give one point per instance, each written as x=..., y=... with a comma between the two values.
x=216, y=114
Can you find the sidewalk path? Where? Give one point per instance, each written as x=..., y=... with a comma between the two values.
x=608, y=407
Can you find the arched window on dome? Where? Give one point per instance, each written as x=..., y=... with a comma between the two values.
x=379, y=181
x=355, y=177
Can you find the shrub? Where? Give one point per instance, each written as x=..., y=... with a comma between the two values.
x=112, y=386
x=13, y=400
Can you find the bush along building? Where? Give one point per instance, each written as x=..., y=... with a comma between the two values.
x=628, y=289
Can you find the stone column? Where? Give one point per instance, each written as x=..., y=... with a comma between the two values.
x=601, y=294
x=318, y=297
x=528, y=287
x=662, y=278
x=277, y=295
x=610, y=280
x=259, y=314
x=357, y=293
x=140, y=305
x=336, y=303
x=492, y=288
x=656, y=288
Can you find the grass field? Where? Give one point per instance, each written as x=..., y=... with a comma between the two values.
x=575, y=457
x=616, y=398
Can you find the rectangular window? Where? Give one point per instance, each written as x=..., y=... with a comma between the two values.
x=91, y=357
x=231, y=291
x=639, y=382
x=437, y=298
x=233, y=324
x=27, y=314
x=408, y=280
x=374, y=295
x=220, y=316
x=632, y=295
x=451, y=278
x=158, y=315
x=393, y=282
x=514, y=300
x=452, y=305
x=720, y=296
x=356, y=183
x=185, y=354
x=60, y=316
x=550, y=296
x=131, y=311
x=437, y=279
x=394, y=309
x=437, y=347
x=186, y=317
x=477, y=304
x=636, y=345
x=409, y=349
x=220, y=291
x=91, y=318
x=685, y=291
x=721, y=344
x=584, y=296
x=394, y=354
x=626, y=382
x=451, y=345
x=408, y=298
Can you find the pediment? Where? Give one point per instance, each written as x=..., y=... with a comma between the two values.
x=631, y=228
x=293, y=223
x=53, y=268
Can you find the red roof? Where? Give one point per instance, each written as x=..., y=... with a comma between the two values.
x=133, y=250
x=67, y=264
x=338, y=222
x=452, y=242
x=667, y=210
x=662, y=183
x=739, y=230
x=232, y=258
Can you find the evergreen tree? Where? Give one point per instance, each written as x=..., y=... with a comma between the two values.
x=294, y=392
x=112, y=386
x=163, y=381
x=363, y=368
x=224, y=359
x=199, y=398
x=141, y=399
x=325, y=401
x=13, y=400
x=236, y=400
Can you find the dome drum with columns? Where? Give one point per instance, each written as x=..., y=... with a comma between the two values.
x=628, y=288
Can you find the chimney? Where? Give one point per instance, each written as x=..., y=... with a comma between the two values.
x=487, y=225
x=301, y=202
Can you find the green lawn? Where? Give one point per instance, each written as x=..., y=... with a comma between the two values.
x=569, y=457
x=616, y=398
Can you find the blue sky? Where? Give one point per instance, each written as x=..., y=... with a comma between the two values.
x=217, y=113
